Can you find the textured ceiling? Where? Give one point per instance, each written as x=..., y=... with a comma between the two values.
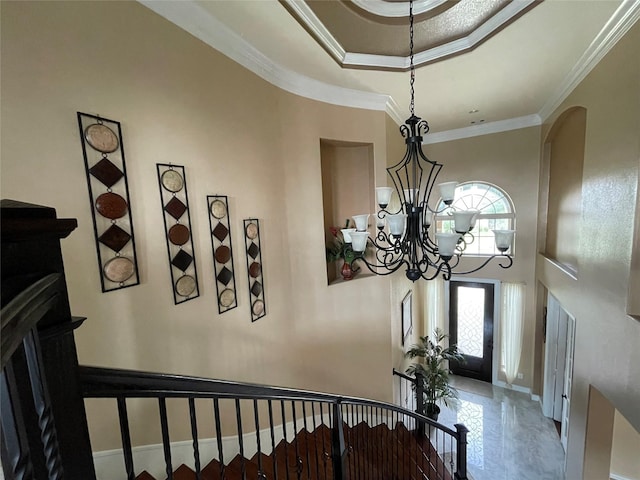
x=359, y=31
x=513, y=74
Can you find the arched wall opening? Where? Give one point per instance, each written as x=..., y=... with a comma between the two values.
x=564, y=149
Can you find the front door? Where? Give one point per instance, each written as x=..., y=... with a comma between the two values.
x=471, y=327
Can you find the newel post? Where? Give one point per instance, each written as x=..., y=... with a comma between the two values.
x=339, y=451
x=420, y=401
x=461, y=454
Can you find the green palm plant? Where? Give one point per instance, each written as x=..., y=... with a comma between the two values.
x=432, y=370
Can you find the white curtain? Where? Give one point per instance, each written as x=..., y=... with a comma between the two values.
x=512, y=315
x=434, y=306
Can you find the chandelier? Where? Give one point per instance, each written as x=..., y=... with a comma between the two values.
x=407, y=236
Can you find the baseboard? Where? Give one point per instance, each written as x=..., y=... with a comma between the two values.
x=516, y=388
x=109, y=464
x=614, y=476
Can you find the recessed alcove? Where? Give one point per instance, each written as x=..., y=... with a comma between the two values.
x=348, y=188
x=565, y=151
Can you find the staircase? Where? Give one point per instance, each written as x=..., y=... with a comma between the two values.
x=373, y=453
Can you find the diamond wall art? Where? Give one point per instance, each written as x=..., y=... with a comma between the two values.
x=177, y=224
x=106, y=171
x=254, y=269
x=218, y=207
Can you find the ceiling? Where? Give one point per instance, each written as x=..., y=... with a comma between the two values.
x=485, y=65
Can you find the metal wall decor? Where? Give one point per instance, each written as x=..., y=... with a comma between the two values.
x=104, y=163
x=177, y=224
x=254, y=268
x=218, y=207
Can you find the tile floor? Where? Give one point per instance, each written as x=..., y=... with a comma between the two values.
x=509, y=437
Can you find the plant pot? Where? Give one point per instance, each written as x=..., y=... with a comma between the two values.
x=432, y=410
x=347, y=272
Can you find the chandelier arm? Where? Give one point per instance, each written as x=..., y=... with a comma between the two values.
x=375, y=268
x=486, y=262
x=446, y=274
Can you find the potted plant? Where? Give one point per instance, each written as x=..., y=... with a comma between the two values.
x=432, y=371
x=339, y=249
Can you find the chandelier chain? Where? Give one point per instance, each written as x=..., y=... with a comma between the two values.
x=413, y=72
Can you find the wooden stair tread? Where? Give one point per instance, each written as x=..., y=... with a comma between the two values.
x=376, y=452
x=144, y=475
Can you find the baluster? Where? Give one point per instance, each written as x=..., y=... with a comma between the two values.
x=363, y=444
x=350, y=438
x=273, y=441
x=126, y=438
x=14, y=435
x=162, y=404
x=295, y=440
x=257, y=423
x=369, y=443
x=395, y=441
x=216, y=414
x=315, y=437
x=308, y=437
x=194, y=435
x=338, y=449
x=286, y=442
x=243, y=467
x=42, y=405
x=324, y=448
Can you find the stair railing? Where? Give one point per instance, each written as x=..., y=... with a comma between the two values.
x=411, y=392
x=281, y=433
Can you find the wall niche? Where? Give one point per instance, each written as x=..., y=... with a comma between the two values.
x=565, y=147
x=348, y=188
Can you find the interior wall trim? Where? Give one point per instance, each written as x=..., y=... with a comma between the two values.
x=483, y=129
x=191, y=17
x=618, y=25
x=349, y=59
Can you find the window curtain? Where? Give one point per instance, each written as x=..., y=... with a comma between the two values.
x=434, y=306
x=512, y=315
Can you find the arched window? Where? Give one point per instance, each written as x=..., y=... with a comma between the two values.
x=496, y=212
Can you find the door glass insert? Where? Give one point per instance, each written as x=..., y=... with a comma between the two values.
x=471, y=320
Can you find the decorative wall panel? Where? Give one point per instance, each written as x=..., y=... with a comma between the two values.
x=106, y=171
x=254, y=269
x=219, y=224
x=177, y=223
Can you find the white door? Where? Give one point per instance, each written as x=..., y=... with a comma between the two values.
x=550, y=353
x=568, y=378
x=561, y=357
x=555, y=356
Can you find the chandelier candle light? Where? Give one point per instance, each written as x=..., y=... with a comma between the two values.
x=409, y=240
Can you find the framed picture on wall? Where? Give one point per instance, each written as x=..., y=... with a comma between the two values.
x=407, y=316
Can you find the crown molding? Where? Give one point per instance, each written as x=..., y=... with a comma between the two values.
x=384, y=8
x=203, y=25
x=394, y=62
x=317, y=28
x=393, y=110
x=483, y=129
x=618, y=25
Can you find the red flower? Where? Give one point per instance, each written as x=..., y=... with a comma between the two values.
x=334, y=231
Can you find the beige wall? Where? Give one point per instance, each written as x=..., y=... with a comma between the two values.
x=606, y=350
x=180, y=101
x=509, y=160
x=625, y=450
x=566, y=150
